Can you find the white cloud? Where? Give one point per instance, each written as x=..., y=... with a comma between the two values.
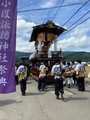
x=24, y=30
x=24, y=46
x=76, y=40
x=48, y=3
x=24, y=27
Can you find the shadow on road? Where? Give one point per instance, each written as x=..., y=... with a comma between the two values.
x=76, y=98
x=32, y=94
x=8, y=102
x=87, y=90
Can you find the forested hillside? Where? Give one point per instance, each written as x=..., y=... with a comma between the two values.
x=20, y=54
x=68, y=56
x=73, y=56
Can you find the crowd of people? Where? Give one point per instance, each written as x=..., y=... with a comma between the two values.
x=65, y=74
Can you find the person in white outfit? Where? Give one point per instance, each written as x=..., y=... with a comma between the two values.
x=80, y=74
x=70, y=80
x=56, y=72
x=42, y=77
x=22, y=74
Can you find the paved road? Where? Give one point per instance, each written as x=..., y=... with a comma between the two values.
x=43, y=106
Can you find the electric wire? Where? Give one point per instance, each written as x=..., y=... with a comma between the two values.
x=58, y=10
x=75, y=26
x=83, y=4
x=76, y=12
x=80, y=23
x=68, y=5
x=79, y=19
x=29, y=4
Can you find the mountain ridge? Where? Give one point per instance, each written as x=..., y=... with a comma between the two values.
x=68, y=56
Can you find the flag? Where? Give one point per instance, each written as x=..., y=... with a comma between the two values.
x=8, y=16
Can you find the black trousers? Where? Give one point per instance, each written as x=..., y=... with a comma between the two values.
x=42, y=83
x=23, y=86
x=59, y=86
x=74, y=78
x=81, y=83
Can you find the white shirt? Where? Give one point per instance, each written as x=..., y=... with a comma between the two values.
x=73, y=66
x=65, y=67
x=56, y=68
x=42, y=68
x=79, y=67
x=20, y=69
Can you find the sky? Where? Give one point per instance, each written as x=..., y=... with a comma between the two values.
x=73, y=15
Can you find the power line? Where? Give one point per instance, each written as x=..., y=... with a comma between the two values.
x=58, y=10
x=51, y=7
x=79, y=19
x=80, y=23
x=75, y=26
x=75, y=12
x=29, y=4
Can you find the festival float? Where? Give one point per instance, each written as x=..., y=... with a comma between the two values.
x=44, y=36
